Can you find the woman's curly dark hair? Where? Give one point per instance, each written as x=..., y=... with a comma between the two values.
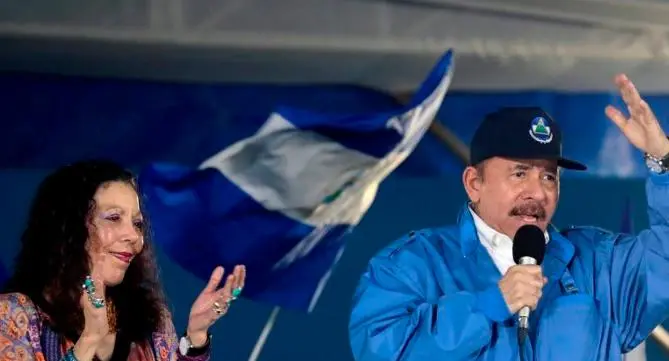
x=53, y=260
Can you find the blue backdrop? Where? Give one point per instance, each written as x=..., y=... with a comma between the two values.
x=49, y=120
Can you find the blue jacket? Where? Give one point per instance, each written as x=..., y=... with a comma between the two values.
x=433, y=295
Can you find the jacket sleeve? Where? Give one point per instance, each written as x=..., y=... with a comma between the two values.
x=19, y=338
x=393, y=320
x=640, y=270
x=167, y=343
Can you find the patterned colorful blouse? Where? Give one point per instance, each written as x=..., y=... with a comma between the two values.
x=25, y=337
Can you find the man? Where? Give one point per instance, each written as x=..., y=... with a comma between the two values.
x=452, y=293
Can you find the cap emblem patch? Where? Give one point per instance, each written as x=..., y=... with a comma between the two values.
x=540, y=130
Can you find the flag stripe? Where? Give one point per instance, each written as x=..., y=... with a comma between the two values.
x=290, y=170
x=282, y=200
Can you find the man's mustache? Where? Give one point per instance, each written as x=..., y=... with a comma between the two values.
x=530, y=210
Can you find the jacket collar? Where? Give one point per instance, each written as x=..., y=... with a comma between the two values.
x=559, y=251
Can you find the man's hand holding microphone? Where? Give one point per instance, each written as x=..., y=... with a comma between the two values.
x=522, y=286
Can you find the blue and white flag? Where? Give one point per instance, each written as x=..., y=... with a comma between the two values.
x=281, y=200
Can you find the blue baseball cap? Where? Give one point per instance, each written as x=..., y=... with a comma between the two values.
x=521, y=133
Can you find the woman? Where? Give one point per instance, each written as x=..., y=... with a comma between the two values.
x=85, y=285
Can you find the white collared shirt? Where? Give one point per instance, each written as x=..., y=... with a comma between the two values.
x=498, y=245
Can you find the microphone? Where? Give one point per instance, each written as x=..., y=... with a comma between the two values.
x=529, y=247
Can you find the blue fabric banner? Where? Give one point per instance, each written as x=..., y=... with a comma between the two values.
x=48, y=120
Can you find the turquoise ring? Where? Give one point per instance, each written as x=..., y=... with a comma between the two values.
x=89, y=287
x=97, y=301
x=236, y=292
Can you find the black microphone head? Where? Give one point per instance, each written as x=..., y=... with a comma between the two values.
x=529, y=241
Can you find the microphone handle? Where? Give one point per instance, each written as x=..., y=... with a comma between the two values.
x=524, y=317
x=524, y=313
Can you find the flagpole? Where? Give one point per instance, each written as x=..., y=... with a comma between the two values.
x=262, y=339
